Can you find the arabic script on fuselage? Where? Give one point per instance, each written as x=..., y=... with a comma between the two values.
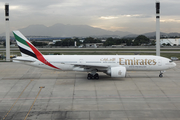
x=108, y=59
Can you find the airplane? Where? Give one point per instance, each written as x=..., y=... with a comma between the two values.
x=112, y=65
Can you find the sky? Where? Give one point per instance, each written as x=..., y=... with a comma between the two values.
x=135, y=16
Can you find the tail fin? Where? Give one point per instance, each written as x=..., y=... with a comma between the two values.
x=25, y=46
x=28, y=49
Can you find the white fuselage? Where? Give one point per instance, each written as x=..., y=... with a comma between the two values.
x=113, y=65
x=102, y=62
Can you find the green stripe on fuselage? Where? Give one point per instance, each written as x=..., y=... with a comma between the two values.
x=20, y=40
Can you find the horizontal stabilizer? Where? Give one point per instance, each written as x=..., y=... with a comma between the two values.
x=22, y=60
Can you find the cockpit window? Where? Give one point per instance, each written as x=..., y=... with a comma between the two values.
x=170, y=61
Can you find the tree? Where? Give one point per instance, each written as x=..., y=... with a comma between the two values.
x=116, y=41
x=109, y=41
x=58, y=43
x=4, y=44
x=128, y=42
x=39, y=43
x=68, y=42
x=91, y=40
x=78, y=42
x=153, y=43
x=141, y=39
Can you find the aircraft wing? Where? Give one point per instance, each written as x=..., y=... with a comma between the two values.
x=85, y=65
x=89, y=66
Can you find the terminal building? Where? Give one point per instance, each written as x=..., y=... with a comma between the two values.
x=171, y=41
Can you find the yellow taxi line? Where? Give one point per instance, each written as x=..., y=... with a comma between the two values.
x=16, y=101
x=33, y=102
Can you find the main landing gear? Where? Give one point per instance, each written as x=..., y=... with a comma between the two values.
x=91, y=76
x=161, y=74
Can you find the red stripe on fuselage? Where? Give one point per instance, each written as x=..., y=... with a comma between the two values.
x=40, y=56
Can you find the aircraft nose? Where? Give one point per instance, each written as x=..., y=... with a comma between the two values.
x=174, y=64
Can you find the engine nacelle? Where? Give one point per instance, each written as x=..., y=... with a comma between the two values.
x=117, y=72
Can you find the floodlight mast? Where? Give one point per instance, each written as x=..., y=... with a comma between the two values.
x=157, y=28
x=7, y=32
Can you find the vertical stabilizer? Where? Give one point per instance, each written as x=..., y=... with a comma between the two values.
x=27, y=49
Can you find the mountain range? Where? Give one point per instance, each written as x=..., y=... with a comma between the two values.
x=61, y=30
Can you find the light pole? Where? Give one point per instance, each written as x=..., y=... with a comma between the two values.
x=157, y=28
x=7, y=32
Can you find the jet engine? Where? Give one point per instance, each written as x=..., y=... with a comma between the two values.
x=117, y=72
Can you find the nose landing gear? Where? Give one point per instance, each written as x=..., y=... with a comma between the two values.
x=161, y=74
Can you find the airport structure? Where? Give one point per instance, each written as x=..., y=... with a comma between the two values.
x=171, y=41
x=158, y=28
x=7, y=32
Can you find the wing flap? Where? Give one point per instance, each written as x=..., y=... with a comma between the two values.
x=89, y=66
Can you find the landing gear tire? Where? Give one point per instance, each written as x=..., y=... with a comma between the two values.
x=96, y=76
x=161, y=75
x=90, y=76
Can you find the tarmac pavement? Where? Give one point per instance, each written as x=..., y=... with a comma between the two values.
x=69, y=95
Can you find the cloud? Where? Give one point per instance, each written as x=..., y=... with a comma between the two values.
x=108, y=17
x=137, y=16
x=108, y=14
x=170, y=20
